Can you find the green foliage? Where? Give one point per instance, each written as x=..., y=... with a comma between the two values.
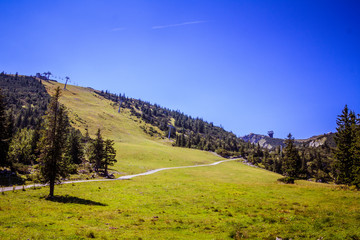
x=20, y=150
x=54, y=164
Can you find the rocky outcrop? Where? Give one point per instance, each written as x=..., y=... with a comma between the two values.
x=263, y=141
x=272, y=143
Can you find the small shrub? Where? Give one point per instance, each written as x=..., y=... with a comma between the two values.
x=287, y=180
x=91, y=234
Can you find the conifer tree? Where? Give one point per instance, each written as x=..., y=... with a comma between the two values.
x=345, y=139
x=74, y=149
x=53, y=163
x=109, y=155
x=97, y=151
x=291, y=163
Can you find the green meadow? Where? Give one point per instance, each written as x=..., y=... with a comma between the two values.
x=227, y=201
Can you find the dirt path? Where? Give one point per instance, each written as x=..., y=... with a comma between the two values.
x=4, y=189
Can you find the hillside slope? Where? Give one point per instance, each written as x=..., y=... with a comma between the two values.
x=136, y=150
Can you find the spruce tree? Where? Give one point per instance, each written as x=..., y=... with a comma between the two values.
x=97, y=151
x=109, y=155
x=291, y=163
x=74, y=149
x=53, y=164
x=345, y=151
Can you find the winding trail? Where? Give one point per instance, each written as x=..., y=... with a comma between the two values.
x=4, y=189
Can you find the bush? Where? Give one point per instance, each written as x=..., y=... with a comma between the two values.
x=287, y=180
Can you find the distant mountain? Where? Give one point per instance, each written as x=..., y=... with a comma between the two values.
x=271, y=143
x=263, y=141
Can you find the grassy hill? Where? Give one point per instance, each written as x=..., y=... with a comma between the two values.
x=136, y=150
x=227, y=201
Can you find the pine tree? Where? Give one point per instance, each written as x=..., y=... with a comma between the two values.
x=74, y=149
x=109, y=155
x=345, y=139
x=53, y=163
x=97, y=151
x=291, y=163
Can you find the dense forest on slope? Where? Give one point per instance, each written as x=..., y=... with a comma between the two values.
x=26, y=98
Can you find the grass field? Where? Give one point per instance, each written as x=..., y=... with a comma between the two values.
x=218, y=202
x=229, y=200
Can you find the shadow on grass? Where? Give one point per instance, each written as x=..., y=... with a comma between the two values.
x=76, y=200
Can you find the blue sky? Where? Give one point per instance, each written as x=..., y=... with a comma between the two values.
x=251, y=66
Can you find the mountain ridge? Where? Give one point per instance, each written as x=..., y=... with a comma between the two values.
x=271, y=143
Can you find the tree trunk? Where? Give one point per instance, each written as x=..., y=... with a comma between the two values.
x=106, y=172
x=52, y=187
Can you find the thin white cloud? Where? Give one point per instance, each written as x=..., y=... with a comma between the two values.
x=177, y=25
x=118, y=29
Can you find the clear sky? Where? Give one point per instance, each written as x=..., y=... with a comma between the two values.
x=251, y=66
